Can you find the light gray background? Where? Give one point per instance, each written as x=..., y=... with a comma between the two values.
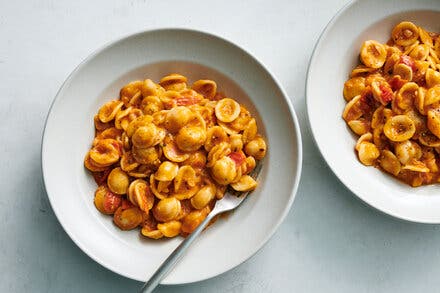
x=330, y=241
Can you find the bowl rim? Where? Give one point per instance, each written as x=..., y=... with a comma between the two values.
x=383, y=209
x=293, y=116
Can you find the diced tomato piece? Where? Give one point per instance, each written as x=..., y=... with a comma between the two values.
x=128, y=219
x=219, y=96
x=199, y=165
x=101, y=177
x=169, y=104
x=407, y=60
x=186, y=101
x=387, y=94
x=126, y=204
x=367, y=101
x=237, y=157
x=111, y=202
x=396, y=82
x=118, y=146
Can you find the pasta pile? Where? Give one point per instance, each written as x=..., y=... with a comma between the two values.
x=164, y=153
x=393, y=104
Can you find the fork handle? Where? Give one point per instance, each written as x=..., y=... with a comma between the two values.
x=171, y=260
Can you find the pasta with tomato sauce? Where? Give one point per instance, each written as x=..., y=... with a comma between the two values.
x=393, y=104
x=165, y=152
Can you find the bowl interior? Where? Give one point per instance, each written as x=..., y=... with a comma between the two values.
x=336, y=54
x=149, y=55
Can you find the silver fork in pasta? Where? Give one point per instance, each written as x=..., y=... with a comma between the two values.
x=230, y=201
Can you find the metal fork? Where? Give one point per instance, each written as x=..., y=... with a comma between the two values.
x=230, y=201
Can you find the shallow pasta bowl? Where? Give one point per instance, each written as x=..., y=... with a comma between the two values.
x=153, y=54
x=335, y=55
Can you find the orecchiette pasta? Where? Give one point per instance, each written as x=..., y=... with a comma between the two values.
x=127, y=219
x=203, y=197
x=373, y=54
x=108, y=112
x=227, y=110
x=169, y=229
x=106, y=201
x=167, y=209
x=393, y=104
x=405, y=33
x=165, y=152
x=118, y=181
x=190, y=139
x=140, y=195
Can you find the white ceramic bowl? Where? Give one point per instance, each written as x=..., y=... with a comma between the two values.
x=153, y=54
x=335, y=55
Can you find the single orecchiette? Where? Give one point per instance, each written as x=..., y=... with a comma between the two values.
x=389, y=162
x=108, y=112
x=380, y=117
x=128, y=219
x=214, y=136
x=167, y=209
x=407, y=150
x=224, y=170
x=99, y=125
x=105, y=152
x=170, y=229
x=197, y=160
x=246, y=183
x=167, y=171
x=256, y=148
x=416, y=166
x=352, y=110
x=425, y=38
x=106, y=201
x=373, y=54
x=178, y=117
x=359, y=126
x=92, y=165
x=405, y=33
x=368, y=153
x=403, y=70
x=128, y=162
x=136, y=123
x=129, y=91
x=420, y=52
x=148, y=136
x=203, y=197
x=190, y=139
x=149, y=156
x=118, y=181
x=151, y=105
x=406, y=95
x=354, y=87
x=140, y=195
x=175, y=82
x=250, y=131
x=432, y=78
x=428, y=139
x=399, y=128
x=207, y=88
x=236, y=142
x=227, y=110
